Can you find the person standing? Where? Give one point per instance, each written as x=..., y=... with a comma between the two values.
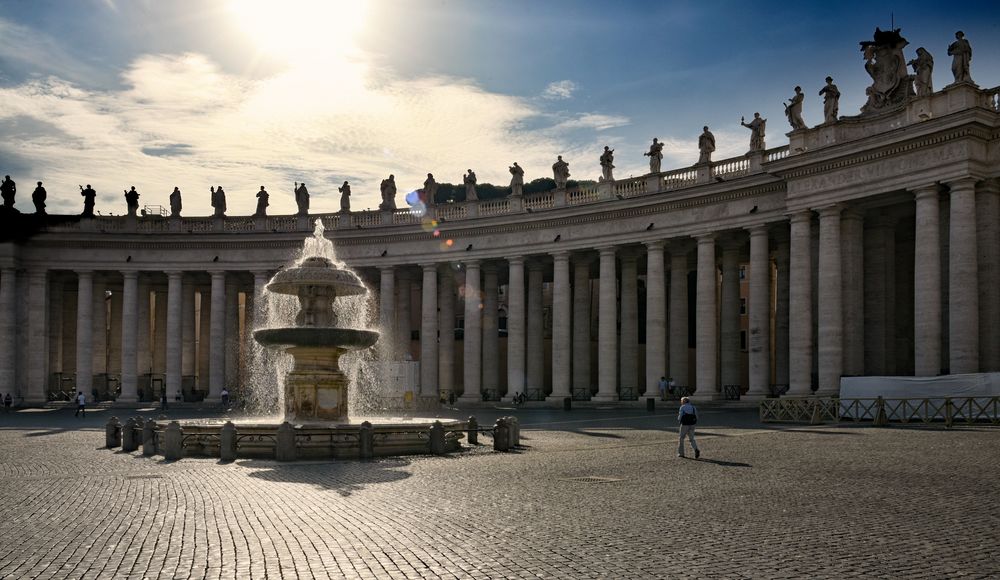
x=163, y=400
x=7, y=402
x=225, y=397
x=687, y=415
x=663, y=388
x=81, y=405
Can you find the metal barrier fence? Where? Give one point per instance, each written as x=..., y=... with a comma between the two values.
x=880, y=411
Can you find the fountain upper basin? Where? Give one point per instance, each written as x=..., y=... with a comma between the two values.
x=344, y=338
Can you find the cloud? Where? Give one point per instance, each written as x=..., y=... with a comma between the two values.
x=594, y=121
x=558, y=90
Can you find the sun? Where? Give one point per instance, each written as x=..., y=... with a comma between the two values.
x=302, y=31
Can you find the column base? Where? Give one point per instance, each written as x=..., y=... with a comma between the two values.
x=827, y=393
x=556, y=398
x=600, y=398
x=470, y=399
x=123, y=399
x=753, y=397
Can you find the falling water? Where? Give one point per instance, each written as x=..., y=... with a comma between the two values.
x=269, y=367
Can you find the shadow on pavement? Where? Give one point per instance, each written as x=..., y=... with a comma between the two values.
x=344, y=477
x=724, y=463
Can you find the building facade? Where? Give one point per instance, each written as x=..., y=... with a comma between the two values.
x=867, y=246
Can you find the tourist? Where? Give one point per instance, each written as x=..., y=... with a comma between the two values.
x=688, y=417
x=81, y=404
x=225, y=397
x=671, y=385
x=663, y=388
x=163, y=400
x=7, y=402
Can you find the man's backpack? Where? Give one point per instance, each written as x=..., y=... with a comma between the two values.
x=689, y=419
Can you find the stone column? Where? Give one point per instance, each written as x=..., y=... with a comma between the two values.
x=258, y=315
x=852, y=228
x=429, y=334
x=607, y=328
x=446, y=326
x=159, y=342
x=759, y=330
x=679, y=315
x=800, y=334
x=217, y=337
x=60, y=318
x=562, y=300
x=204, y=338
x=491, y=339
x=8, y=330
x=85, y=332
x=99, y=328
x=831, y=309
x=535, y=380
x=781, y=312
x=130, y=329
x=472, y=343
x=581, y=324
x=232, y=334
x=628, y=374
x=403, y=328
x=187, y=330
x=963, y=280
x=115, y=310
x=729, y=345
x=143, y=335
x=927, y=283
x=988, y=243
x=516, y=354
x=707, y=328
x=656, y=318
x=38, y=348
x=387, y=313
x=175, y=300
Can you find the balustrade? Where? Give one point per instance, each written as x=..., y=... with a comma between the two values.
x=452, y=211
x=631, y=187
x=238, y=224
x=539, y=201
x=583, y=195
x=494, y=207
x=679, y=178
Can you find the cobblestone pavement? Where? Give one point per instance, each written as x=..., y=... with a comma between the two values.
x=816, y=502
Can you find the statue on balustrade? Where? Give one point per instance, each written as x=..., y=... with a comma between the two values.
x=38, y=198
x=132, y=201
x=607, y=164
x=218, y=201
x=756, y=126
x=517, y=180
x=831, y=101
x=706, y=145
x=655, y=155
x=89, y=198
x=175, y=202
x=302, y=198
x=793, y=110
x=430, y=190
x=469, y=179
x=345, y=197
x=560, y=172
x=388, y=188
x=923, y=67
x=262, y=204
x=884, y=62
x=8, y=189
x=961, y=53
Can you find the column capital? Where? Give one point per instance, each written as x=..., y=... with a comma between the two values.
x=963, y=184
x=429, y=267
x=989, y=186
x=518, y=260
x=800, y=216
x=708, y=238
x=560, y=256
x=925, y=191
x=130, y=274
x=607, y=250
x=85, y=273
x=174, y=273
x=655, y=245
x=472, y=263
x=217, y=273
x=830, y=210
x=261, y=273
x=758, y=230
x=852, y=213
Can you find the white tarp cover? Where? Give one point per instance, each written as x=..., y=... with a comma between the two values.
x=981, y=386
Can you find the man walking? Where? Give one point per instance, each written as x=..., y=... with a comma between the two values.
x=81, y=405
x=687, y=415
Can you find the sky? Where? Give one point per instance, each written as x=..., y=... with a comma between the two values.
x=244, y=93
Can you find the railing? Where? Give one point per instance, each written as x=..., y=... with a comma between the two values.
x=110, y=224
x=539, y=201
x=199, y=224
x=993, y=99
x=453, y=211
x=680, y=178
x=330, y=221
x=283, y=223
x=879, y=410
x=631, y=187
x=404, y=216
x=583, y=195
x=366, y=218
x=238, y=224
x=776, y=153
x=731, y=168
x=152, y=225
x=494, y=207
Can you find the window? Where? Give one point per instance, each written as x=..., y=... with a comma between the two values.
x=743, y=272
x=743, y=340
x=743, y=306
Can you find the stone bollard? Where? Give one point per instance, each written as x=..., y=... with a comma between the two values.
x=437, y=438
x=173, y=442
x=129, y=441
x=473, y=431
x=227, y=442
x=113, y=433
x=567, y=403
x=366, y=441
x=149, y=438
x=284, y=447
x=137, y=431
x=501, y=436
x=514, y=425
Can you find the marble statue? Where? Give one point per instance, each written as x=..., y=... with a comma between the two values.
x=706, y=145
x=607, y=164
x=655, y=155
x=388, y=188
x=345, y=197
x=923, y=67
x=886, y=65
x=756, y=127
x=218, y=201
x=38, y=198
x=302, y=198
x=89, y=198
x=262, y=204
x=517, y=180
x=132, y=201
x=793, y=110
x=8, y=189
x=469, y=179
x=961, y=53
x=831, y=101
x=430, y=190
x=175, y=202
x=560, y=172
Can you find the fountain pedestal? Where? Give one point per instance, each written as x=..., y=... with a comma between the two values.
x=316, y=388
